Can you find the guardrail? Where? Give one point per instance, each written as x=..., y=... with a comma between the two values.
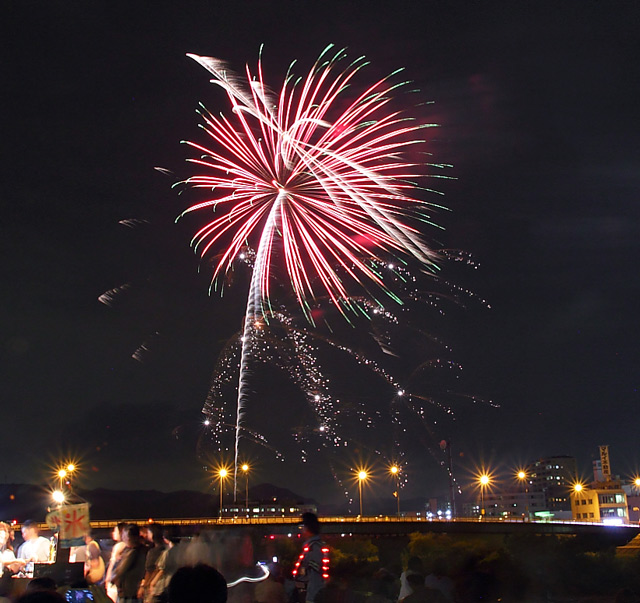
x=347, y=519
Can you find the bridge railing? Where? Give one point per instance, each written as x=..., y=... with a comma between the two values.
x=294, y=522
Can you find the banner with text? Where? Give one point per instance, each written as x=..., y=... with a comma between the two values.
x=73, y=523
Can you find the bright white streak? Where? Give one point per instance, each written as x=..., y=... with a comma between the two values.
x=253, y=313
x=262, y=566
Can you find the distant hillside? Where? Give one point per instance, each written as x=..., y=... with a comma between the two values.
x=138, y=504
x=27, y=501
x=268, y=492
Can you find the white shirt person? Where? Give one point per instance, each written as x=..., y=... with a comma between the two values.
x=35, y=548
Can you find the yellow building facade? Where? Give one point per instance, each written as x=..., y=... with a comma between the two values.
x=600, y=502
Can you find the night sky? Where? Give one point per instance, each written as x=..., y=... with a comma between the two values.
x=538, y=107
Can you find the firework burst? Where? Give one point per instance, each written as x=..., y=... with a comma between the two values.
x=317, y=176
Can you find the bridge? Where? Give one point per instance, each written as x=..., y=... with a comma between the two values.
x=390, y=525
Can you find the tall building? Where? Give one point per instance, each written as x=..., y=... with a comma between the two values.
x=510, y=504
x=554, y=476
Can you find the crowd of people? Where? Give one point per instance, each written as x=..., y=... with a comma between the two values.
x=34, y=548
x=143, y=566
x=152, y=564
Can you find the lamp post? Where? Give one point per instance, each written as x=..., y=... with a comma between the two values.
x=222, y=474
x=522, y=477
x=395, y=472
x=362, y=476
x=245, y=469
x=484, y=482
x=578, y=489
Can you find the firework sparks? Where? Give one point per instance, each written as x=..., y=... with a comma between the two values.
x=329, y=184
x=108, y=297
x=335, y=423
x=318, y=173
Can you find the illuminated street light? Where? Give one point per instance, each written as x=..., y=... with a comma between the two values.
x=245, y=469
x=484, y=480
x=395, y=472
x=222, y=474
x=58, y=496
x=522, y=476
x=362, y=476
x=64, y=473
x=578, y=489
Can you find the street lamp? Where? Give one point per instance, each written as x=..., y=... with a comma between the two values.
x=522, y=477
x=484, y=480
x=222, y=474
x=245, y=469
x=395, y=472
x=362, y=476
x=58, y=496
x=578, y=489
x=64, y=474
